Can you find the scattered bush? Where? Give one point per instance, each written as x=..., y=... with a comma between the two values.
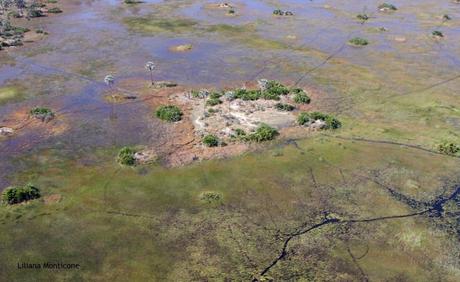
x=211, y=141
x=279, y=12
x=211, y=197
x=44, y=114
x=446, y=17
x=213, y=101
x=231, y=11
x=303, y=118
x=437, y=33
x=215, y=95
x=263, y=133
x=240, y=132
x=358, y=41
x=15, y=195
x=362, y=17
x=331, y=121
x=169, y=113
x=246, y=95
x=284, y=107
x=54, y=10
x=301, y=98
x=276, y=88
x=34, y=13
x=387, y=7
x=449, y=148
x=126, y=156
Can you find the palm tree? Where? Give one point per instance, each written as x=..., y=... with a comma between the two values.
x=109, y=80
x=150, y=66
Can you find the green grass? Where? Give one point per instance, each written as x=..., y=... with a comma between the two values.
x=201, y=216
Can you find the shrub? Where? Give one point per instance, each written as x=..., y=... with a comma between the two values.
x=437, y=33
x=446, y=17
x=169, y=113
x=387, y=7
x=211, y=141
x=263, y=133
x=302, y=98
x=275, y=88
x=211, y=197
x=449, y=148
x=231, y=11
x=126, y=156
x=240, y=132
x=284, y=107
x=215, y=95
x=43, y=114
x=303, y=118
x=358, y=41
x=278, y=12
x=34, y=13
x=54, y=10
x=331, y=121
x=213, y=101
x=362, y=17
x=246, y=95
x=52, y=1
x=15, y=195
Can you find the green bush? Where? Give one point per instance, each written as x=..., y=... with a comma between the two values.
x=240, y=132
x=215, y=95
x=263, y=133
x=211, y=141
x=34, y=13
x=362, y=17
x=302, y=98
x=437, y=33
x=15, y=195
x=303, y=118
x=284, y=107
x=331, y=121
x=54, y=10
x=387, y=7
x=275, y=88
x=169, y=113
x=358, y=41
x=126, y=156
x=449, y=148
x=43, y=114
x=213, y=101
x=247, y=95
x=211, y=197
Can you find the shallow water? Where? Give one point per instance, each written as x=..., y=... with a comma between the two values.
x=90, y=40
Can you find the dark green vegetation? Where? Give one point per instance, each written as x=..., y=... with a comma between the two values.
x=126, y=156
x=362, y=17
x=437, y=33
x=300, y=97
x=16, y=195
x=211, y=197
x=210, y=141
x=214, y=99
x=279, y=12
x=358, y=41
x=263, y=133
x=449, y=148
x=306, y=118
x=169, y=113
x=284, y=107
x=44, y=114
x=54, y=10
x=387, y=7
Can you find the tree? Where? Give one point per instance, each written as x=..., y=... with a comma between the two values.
x=110, y=80
x=150, y=66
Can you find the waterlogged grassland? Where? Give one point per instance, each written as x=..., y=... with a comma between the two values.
x=154, y=216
